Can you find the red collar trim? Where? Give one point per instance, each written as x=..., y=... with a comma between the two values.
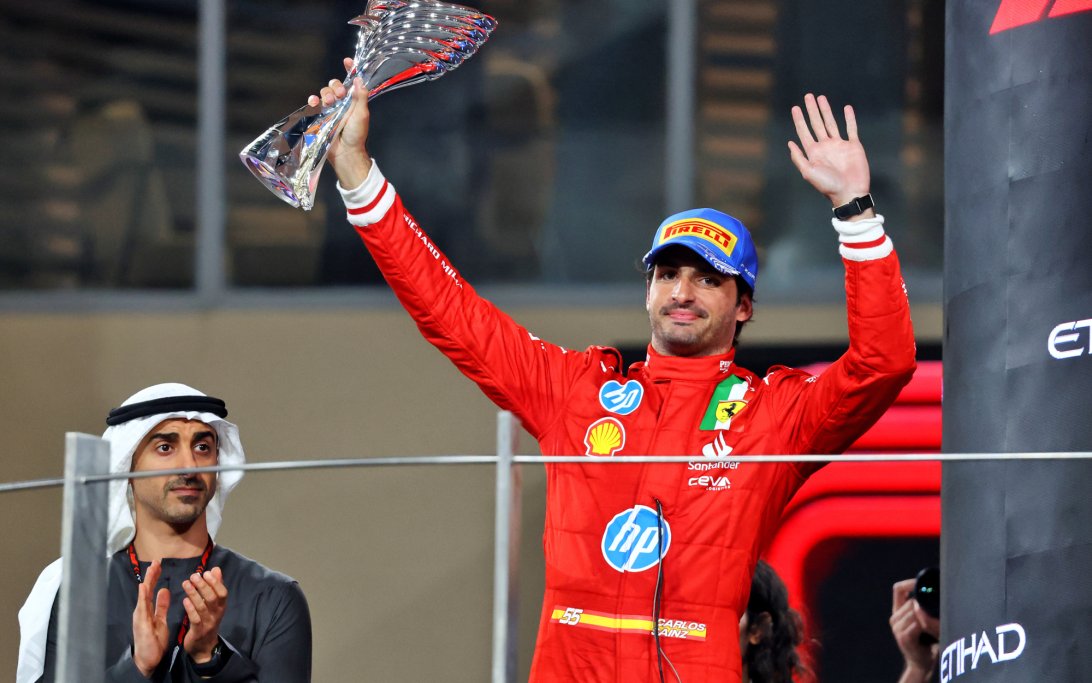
x=658, y=366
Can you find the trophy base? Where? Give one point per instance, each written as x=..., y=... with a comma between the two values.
x=276, y=184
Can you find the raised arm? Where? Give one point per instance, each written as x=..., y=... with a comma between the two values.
x=516, y=369
x=827, y=414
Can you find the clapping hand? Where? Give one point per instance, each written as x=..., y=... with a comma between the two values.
x=150, y=632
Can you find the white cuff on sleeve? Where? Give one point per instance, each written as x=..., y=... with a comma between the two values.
x=862, y=240
x=368, y=202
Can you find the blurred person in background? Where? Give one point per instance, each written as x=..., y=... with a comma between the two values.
x=771, y=632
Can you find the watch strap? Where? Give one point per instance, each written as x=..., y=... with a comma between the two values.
x=854, y=208
x=216, y=664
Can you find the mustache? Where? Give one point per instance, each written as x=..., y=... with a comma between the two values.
x=186, y=483
x=700, y=312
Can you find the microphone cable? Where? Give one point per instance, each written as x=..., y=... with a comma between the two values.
x=657, y=597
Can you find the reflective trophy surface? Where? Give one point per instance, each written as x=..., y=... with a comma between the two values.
x=400, y=43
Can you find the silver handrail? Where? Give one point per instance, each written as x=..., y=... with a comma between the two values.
x=81, y=499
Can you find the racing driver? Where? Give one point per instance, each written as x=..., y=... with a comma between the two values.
x=648, y=565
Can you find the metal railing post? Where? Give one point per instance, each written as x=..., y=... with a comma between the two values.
x=81, y=633
x=681, y=104
x=209, y=278
x=506, y=552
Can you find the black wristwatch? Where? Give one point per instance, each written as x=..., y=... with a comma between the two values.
x=854, y=208
x=215, y=665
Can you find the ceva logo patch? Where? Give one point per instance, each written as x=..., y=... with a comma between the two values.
x=631, y=542
x=621, y=399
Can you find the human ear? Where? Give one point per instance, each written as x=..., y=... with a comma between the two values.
x=745, y=309
x=760, y=629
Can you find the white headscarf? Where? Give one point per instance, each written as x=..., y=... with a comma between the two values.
x=124, y=439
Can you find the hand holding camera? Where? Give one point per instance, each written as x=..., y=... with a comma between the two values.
x=915, y=623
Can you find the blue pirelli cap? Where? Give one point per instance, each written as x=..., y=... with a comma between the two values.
x=716, y=237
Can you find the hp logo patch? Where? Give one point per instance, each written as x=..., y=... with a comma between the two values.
x=619, y=399
x=632, y=539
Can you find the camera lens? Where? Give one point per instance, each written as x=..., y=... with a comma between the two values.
x=927, y=591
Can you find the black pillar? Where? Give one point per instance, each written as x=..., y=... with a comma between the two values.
x=1016, y=547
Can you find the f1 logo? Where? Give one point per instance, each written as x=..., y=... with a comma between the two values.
x=1013, y=13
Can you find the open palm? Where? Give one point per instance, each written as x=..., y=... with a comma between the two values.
x=835, y=166
x=150, y=631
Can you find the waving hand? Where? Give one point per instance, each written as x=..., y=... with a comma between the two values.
x=835, y=166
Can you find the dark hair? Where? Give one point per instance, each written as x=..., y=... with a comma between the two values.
x=775, y=658
x=743, y=288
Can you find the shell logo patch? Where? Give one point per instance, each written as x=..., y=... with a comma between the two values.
x=605, y=436
x=621, y=399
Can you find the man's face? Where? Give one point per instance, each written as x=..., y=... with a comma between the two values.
x=173, y=444
x=693, y=308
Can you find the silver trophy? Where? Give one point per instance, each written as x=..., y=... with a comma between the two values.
x=400, y=44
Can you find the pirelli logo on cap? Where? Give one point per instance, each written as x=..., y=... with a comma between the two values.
x=699, y=227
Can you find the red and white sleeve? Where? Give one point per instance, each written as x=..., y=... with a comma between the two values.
x=367, y=203
x=863, y=240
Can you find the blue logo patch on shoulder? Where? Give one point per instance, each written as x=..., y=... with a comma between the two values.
x=631, y=541
x=621, y=399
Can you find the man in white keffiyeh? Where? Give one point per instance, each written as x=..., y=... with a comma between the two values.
x=184, y=630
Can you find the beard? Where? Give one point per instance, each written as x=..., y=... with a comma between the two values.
x=676, y=339
x=180, y=510
x=679, y=339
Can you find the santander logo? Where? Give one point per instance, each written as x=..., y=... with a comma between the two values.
x=1013, y=13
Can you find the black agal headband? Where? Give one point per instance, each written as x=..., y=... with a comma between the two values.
x=167, y=404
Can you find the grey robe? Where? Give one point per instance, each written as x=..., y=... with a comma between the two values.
x=266, y=625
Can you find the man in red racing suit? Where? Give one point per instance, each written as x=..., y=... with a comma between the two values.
x=637, y=551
